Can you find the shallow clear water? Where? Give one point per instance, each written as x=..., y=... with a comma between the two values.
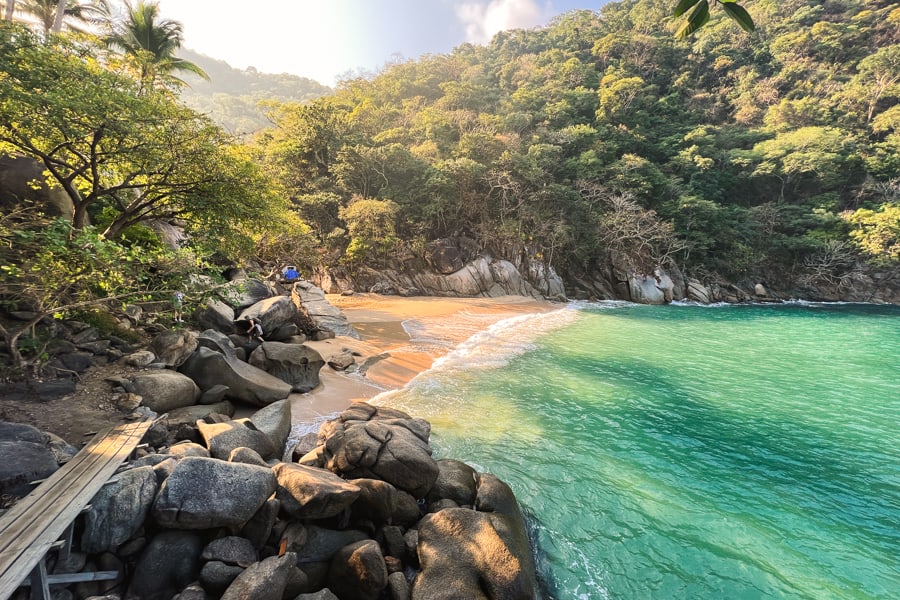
x=688, y=451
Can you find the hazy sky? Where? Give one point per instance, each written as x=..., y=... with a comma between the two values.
x=323, y=39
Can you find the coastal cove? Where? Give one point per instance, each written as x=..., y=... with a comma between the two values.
x=676, y=451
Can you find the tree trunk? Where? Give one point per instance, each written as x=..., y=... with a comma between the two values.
x=60, y=15
x=10, y=8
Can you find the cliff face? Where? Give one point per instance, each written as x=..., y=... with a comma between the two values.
x=451, y=269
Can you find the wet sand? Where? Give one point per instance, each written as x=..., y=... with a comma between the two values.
x=387, y=354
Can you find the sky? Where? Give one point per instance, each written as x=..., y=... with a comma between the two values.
x=326, y=40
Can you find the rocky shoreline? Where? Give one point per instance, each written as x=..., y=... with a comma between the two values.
x=222, y=507
x=366, y=513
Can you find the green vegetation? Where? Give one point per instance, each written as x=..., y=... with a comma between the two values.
x=747, y=153
x=771, y=154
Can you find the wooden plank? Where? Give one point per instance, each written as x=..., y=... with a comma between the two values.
x=86, y=478
x=65, y=483
x=36, y=521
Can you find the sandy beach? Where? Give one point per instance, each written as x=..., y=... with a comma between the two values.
x=399, y=338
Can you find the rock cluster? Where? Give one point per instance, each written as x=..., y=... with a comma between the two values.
x=365, y=514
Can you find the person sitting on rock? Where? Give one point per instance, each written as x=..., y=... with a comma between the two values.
x=291, y=274
x=255, y=331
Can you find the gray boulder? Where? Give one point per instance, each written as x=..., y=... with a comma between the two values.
x=311, y=493
x=323, y=594
x=184, y=449
x=497, y=566
x=174, y=346
x=232, y=550
x=223, y=438
x=314, y=544
x=296, y=364
x=216, y=315
x=247, y=456
x=245, y=382
x=22, y=462
x=456, y=481
x=167, y=565
x=275, y=421
x=342, y=360
x=163, y=390
x=271, y=313
x=216, y=576
x=218, y=341
x=22, y=180
x=258, y=529
x=118, y=510
x=358, y=572
x=377, y=502
x=375, y=443
x=189, y=415
x=241, y=293
x=213, y=395
x=265, y=579
x=202, y=493
x=311, y=300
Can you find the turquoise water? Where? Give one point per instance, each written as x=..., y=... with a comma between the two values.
x=688, y=451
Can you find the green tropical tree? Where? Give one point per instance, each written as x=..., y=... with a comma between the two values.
x=122, y=157
x=52, y=14
x=149, y=45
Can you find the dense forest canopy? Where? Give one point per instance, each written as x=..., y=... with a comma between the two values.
x=773, y=154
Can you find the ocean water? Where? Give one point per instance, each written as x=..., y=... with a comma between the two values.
x=687, y=451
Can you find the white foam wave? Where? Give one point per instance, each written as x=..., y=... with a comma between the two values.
x=489, y=348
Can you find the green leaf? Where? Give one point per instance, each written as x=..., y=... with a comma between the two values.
x=738, y=14
x=697, y=20
x=682, y=7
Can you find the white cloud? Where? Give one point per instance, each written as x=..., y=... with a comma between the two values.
x=481, y=21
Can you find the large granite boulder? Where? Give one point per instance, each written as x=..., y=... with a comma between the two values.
x=377, y=443
x=377, y=502
x=232, y=550
x=296, y=364
x=174, y=346
x=202, y=493
x=311, y=493
x=164, y=390
x=311, y=300
x=469, y=554
x=271, y=313
x=189, y=415
x=657, y=288
x=316, y=544
x=118, y=510
x=223, y=438
x=216, y=315
x=358, y=572
x=265, y=579
x=243, y=292
x=456, y=481
x=22, y=180
x=169, y=563
x=275, y=421
x=25, y=456
x=218, y=341
x=245, y=382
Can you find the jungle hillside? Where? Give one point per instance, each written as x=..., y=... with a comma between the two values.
x=602, y=139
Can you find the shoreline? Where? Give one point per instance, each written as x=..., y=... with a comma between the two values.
x=400, y=337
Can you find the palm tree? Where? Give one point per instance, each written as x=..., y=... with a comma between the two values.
x=50, y=14
x=149, y=45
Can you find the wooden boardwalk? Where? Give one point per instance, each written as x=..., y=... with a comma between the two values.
x=33, y=526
